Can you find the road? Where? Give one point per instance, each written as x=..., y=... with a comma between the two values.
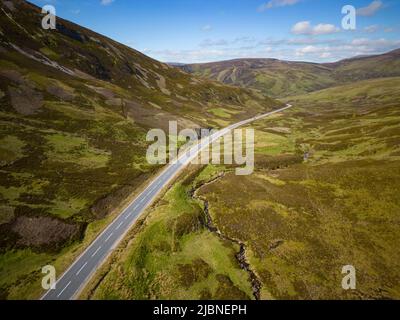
x=77, y=275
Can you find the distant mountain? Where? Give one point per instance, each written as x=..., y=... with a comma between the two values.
x=279, y=78
x=367, y=67
x=175, y=64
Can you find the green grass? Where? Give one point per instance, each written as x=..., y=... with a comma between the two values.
x=377, y=91
x=69, y=148
x=15, y=265
x=11, y=149
x=6, y=214
x=220, y=112
x=273, y=144
x=66, y=208
x=171, y=258
x=49, y=53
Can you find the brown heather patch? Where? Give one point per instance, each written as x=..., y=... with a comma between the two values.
x=194, y=272
x=25, y=100
x=60, y=92
x=44, y=232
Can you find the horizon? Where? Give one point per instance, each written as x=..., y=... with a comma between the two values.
x=268, y=58
x=298, y=30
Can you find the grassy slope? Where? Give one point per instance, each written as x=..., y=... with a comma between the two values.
x=370, y=67
x=301, y=221
x=173, y=255
x=282, y=78
x=304, y=221
x=273, y=77
x=73, y=144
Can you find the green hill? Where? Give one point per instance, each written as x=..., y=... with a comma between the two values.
x=278, y=78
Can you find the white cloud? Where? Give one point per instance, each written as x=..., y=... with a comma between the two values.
x=106, y=2
x=301, y=27
x=305, y=28
x=311, y=40
x=188, y=56
x=324, y=29
x=326, y=55
x=244, y=41
x=276, y=3
x=320, y=52
x=318, y=49
x=371, y=29
x=371, y=9
x=207, y=27
x=299, y=41
x=373, y=43
x=355, y=47
x=214, y=43
x=309, y=49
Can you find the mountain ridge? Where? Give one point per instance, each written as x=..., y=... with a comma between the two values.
x=281, y=78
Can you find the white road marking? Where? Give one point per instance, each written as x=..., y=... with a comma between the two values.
x=63, y=289
x=130, y=213
x=96, y=251
x=79, y=271
x=119, y=226
x=108, y=238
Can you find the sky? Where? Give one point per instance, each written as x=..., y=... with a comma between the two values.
x=196, y=31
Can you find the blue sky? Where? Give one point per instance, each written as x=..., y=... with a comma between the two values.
x=210, y=30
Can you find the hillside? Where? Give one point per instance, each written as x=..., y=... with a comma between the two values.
x=364, y=68
x=75, y=110
x=278, y=78
x=296, y=223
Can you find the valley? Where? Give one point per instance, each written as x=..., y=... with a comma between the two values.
x=75, y=108
x=300, y=221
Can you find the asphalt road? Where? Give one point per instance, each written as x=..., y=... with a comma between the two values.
x=73, y=280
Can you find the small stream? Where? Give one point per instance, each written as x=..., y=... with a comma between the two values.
x=241, y=255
